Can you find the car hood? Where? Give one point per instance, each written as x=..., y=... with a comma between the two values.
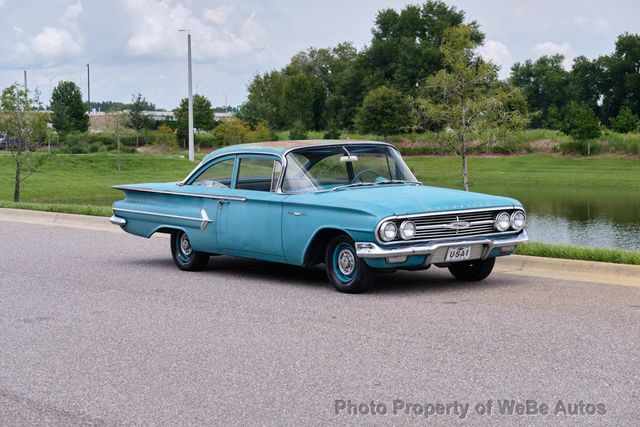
x=405, y=199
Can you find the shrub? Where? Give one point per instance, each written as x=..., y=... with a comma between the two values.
x=165, y=138
x=260, y=133
x=231, y=131
x=331, y=134
x=298, y=131
x=205, y=140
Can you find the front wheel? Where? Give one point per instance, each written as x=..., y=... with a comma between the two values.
x=183, y=254
x=472, y=271
x=346, y=271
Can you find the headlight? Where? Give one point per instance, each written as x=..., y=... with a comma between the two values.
x=503, y=221
x=407, y=230
x=518, y=219
x=388, y=231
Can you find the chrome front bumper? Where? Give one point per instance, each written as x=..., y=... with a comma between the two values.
x=372, y=250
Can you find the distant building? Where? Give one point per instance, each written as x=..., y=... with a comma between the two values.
x=219, y=116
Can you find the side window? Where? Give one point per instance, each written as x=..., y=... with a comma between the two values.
x=217, y=175
x=258, y=174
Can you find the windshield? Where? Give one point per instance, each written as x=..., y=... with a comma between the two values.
x=349, y=165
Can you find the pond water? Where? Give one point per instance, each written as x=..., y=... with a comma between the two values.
x=585, y=217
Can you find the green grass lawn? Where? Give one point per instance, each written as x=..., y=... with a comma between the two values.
x=85, y=179
x=532, y=171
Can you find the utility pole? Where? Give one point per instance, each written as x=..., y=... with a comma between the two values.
x=25, y=80
x=190, y=99
x=88, y=91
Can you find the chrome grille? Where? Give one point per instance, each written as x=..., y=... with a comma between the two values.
x=438, y=226
x=435, y=226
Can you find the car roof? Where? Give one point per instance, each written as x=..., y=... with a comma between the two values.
x=281, y=147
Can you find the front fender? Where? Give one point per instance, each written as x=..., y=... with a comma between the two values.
x=301, y=224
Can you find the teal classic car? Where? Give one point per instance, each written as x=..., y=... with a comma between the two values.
x=354, y=206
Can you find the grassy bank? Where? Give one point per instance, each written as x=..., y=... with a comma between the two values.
x=615, y=256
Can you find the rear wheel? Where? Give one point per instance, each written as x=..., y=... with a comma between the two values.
x=183, y=254
x=345, y=270
x=472, y=271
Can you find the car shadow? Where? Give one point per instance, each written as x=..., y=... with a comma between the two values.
x=433, y=280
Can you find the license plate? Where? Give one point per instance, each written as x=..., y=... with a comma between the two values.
x=458, y=254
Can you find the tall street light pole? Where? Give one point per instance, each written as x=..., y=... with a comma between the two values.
x=88, y=91
x=190, y=99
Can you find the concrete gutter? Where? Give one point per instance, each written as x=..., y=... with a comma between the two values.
x=551, y=268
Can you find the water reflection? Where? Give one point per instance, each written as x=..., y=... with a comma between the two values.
x=600, y=218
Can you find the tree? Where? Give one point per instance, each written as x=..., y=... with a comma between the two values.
x=69, y=112
x=625, y=121
x=202, y=115
x=384, y=110
x=620, y=84
x=466, y=98
x=546, y=86
x=24, y=127
x=581, y=124
x=297, y=100
x=136, y=118
x=406, y=45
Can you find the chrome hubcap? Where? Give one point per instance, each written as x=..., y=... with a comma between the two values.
x=185, y=245
x=346, y=262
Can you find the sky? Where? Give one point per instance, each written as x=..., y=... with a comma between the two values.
x=135, y=45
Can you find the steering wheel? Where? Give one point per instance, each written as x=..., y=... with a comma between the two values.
x=362, y=172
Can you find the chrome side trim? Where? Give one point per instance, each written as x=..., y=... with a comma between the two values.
x=116, y=220
x=204, y=219
x=180, y=193
x=228, y=154
x=372, y=250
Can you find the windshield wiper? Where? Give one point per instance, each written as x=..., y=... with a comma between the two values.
x=396, y=181
x=355, y=184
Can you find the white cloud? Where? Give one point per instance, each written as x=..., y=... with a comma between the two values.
x=213, y=35
x=218, y=15
x=551, y=48
x=2, y=3
x=496, y=52
x=70, y=16
x=52, y=42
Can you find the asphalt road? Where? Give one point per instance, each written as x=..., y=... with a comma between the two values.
x=100, y=328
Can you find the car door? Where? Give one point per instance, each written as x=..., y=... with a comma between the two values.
x=252, y=224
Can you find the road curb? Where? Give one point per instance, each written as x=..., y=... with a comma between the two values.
x=569, y=269
x=87, y=222
x=552, y=268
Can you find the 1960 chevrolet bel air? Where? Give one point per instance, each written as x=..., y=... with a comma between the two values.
x=354, y=206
